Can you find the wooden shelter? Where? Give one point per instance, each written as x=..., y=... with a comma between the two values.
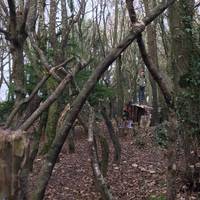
x=137, y=111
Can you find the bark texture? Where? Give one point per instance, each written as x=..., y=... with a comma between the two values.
x=112, y=135
x=14, y=154
x=101, y=184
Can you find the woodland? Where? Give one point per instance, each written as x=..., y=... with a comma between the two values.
x=68, y=68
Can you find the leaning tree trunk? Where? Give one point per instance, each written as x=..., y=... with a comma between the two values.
x=152, y=51
x=172, y=156
x=14, y=154
x=118, y=69
x=113, y=136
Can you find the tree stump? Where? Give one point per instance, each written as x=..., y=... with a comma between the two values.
x=13, y=155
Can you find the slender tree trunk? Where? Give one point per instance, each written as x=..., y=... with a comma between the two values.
x=53, y=115
x=182, y=58
x=118, y=69
x=18, y=76
x=120, y=92
x=152, y=52
x=71, y=144
x=101, y=184
x=104, y=153
x=103, y=142
x=171, y=156
x=113, y=136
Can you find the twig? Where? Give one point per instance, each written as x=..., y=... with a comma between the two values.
x=197, y=5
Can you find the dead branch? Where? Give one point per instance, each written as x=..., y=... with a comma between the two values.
x=43, y=106
x=197, y=5
x=41, y=55
x=34, y=92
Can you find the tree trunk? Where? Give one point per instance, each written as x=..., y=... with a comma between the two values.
x=14, y=154
x=152, y=52
x=51, y=125
x=18, y=77
x=104, y=154
x=101, y=184
x=71, y=144
x=103, y=142
x=118, y=68
x=182, y=52
x=112, y=135
x=120, y=92
x=171, y=156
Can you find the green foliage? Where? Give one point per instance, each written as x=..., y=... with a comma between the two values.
x=188, y=101
x=11, y=89
x=50, y=54
x=161, y=134
x=191, y=80
x=5, y=109
x=31, y=77
x=100, y=93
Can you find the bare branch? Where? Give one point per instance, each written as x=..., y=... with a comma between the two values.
x=26, y=100
x=43, y=106
x=197, y=5
x=34, y=92
x=41, y=55
x=4, y=7
x=72, y=22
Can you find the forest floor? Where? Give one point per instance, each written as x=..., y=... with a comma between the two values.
x=141, y=174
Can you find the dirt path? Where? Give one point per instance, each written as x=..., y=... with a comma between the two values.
x=139, y=175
